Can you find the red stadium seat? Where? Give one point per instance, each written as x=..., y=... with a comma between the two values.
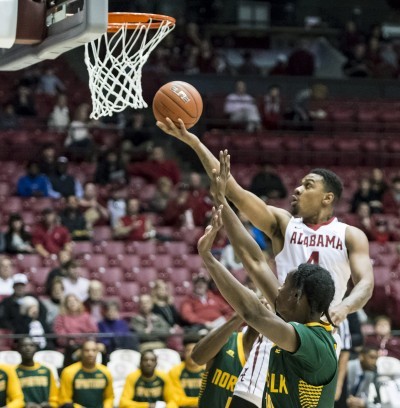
x=113, y=248
x=129, y=290
x=179, y=275
x=128, y=262
x=14, y=205
x=38, y=277
x=193, y=262
x=141, y=248
x=102, y=233
x=25, y=262
x=173, y=248
x=378, y=301
x=112, y=278
x=81, y=248
x=144, y=276
x=95, y=261
x=163, y=261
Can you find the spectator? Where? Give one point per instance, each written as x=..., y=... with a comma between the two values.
x=116, y=204
x=53, y=302
x=110, y=169
x=121, y=336
x=147, y=385
x=152, y=329
x=49, y=237
x=205, y=58
x=199, y=197
x=156, y=166
x=59, y=271
x=309, y=103
x=248, y=67
x=32, y=323
x=23, y=102
x=364, y=220
x=59, y=117
x=94, y=303
x=6, y=280
x=357, y=64
x=62, y=182
x=47, y=160
x=241, y=108
x=50, y=83
x=134, y=226
x=8, y=117
x=350, y=37
x=202, y=308
x=95, y=386
x=162, y=195
x=75, y=284
x=11, y=395
x=364, y=194
x=267, y=184
x=17, y=239
x=72, y=219
x=383, y=340
x=301, y=61
x=361, y=379
x=37, y=381
x=280, y=67
x=93, y=210
x=11, y=317
x=163, y=304
x=73, y=320
x=378, y=183
x=391, y=198
x=137, y=135
x=186, y=379
x=272, y=108
x=35, y=184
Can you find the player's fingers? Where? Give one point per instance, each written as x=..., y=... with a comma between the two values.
x=171, y=124
x=161, y=125
x=182, y=126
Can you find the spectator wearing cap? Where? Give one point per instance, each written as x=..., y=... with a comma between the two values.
x=64, y=183
x=35, y=184
x=11, y=317
x=202, y=307
x=72, y=219
x=6, y=280
x=17, y=239
x=49, y=237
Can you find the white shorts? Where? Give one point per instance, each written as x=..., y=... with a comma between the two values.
x=252, y=380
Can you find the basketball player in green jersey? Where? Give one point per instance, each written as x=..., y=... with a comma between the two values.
x=224, y=351
x=11, y=395
x=303, y=364
x=37, y=381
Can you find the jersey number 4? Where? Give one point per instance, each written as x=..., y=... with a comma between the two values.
x=314, y=258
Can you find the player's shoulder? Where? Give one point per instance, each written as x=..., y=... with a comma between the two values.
x=134, y=375
x=7, y=369
x=355, y=236
x=162, y=375
x=103, y=369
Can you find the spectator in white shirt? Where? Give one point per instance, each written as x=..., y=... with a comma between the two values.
x=6, y=281
x=75, y=284
x=59, y=117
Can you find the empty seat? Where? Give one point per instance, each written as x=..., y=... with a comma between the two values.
x=193, y=262
x=179, y=275
x=95, y=261
x=142, y=248
x=120, y=369
x=102, y=233
x=163, y=261
x=82, y=248
x=112, y=278
x=52, y=357
x=144, y=276
x=38, y=277
x=174, y=248
x=10, y=357
x=167, y=358
x=25, y=262
x=130, y=356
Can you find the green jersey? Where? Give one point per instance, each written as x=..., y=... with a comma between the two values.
x=306, y=378
x=38, y=384
x=219, y=380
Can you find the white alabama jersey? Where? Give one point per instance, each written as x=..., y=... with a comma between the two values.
x=322, y=244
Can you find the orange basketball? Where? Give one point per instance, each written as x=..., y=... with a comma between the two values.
x=176, y=100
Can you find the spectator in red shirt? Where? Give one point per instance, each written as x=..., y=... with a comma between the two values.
x=49, y=237
x=203, y=308
x=134, y=226
x=391, y=198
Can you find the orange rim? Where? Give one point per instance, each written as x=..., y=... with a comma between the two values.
x=135, y=20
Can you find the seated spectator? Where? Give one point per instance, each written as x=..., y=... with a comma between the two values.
x=110, y=169
x=47, y=160
x=11, y=317
x=8, y=117
x=122, y=337
x=72, y=219
x=179, y=212
x=147, y=386
x=200, y=199
x=62, y=182
x=391, y=198
x=272, y=108
x=248, y=67
x=73, y=283
x=301, y=61
x=53, y=302
x=357, y=64
x=152, y=329
x=309, y=103
x=59, y=117
x=163, y=304
x=23, y=102
x=280, y=67
x=156, y=166
x=35, y=184
x=32, y=323
x=186, y=379
x=134, y=226
x=50, y=83
x=378, y=183
x=38, y=383
x=6, y=279
x=95, y=301
x=202, y=308
x=116, y=204
x=93, y=210
x=17, y=239
x=364, y=220
x=383, y=340
x=241, y=108
x=59, y=271
x=162, y=195
x=364, y=194
x=49, y=237
x=73, y=319
x=267, y=183
x=11, y=395
x=86, y=383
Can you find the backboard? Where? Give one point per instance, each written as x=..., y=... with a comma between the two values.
x=68, y=24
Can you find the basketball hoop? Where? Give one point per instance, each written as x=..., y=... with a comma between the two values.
x=115, y=60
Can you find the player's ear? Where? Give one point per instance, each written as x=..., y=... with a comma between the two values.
x=328, y=199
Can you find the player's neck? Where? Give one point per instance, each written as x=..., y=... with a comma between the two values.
x=320, y=218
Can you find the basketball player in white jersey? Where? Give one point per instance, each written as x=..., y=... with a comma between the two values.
x=316, y=236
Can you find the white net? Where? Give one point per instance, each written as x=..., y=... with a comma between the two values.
x=115, y=63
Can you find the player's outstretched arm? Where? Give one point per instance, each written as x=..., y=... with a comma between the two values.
x=264, y=217
x=361, y=273
x=244, y=301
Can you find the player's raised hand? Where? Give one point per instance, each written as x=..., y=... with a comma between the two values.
x=219, y=180
x=206, y=241
x=180, y=132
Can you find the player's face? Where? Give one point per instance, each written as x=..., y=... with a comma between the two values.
x=368, y=360
x=27, y=348
x=89, y=353
x=307, y=198
x=148, y=363
x=287, y=301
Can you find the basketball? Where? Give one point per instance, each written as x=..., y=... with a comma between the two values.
x=176, y=100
